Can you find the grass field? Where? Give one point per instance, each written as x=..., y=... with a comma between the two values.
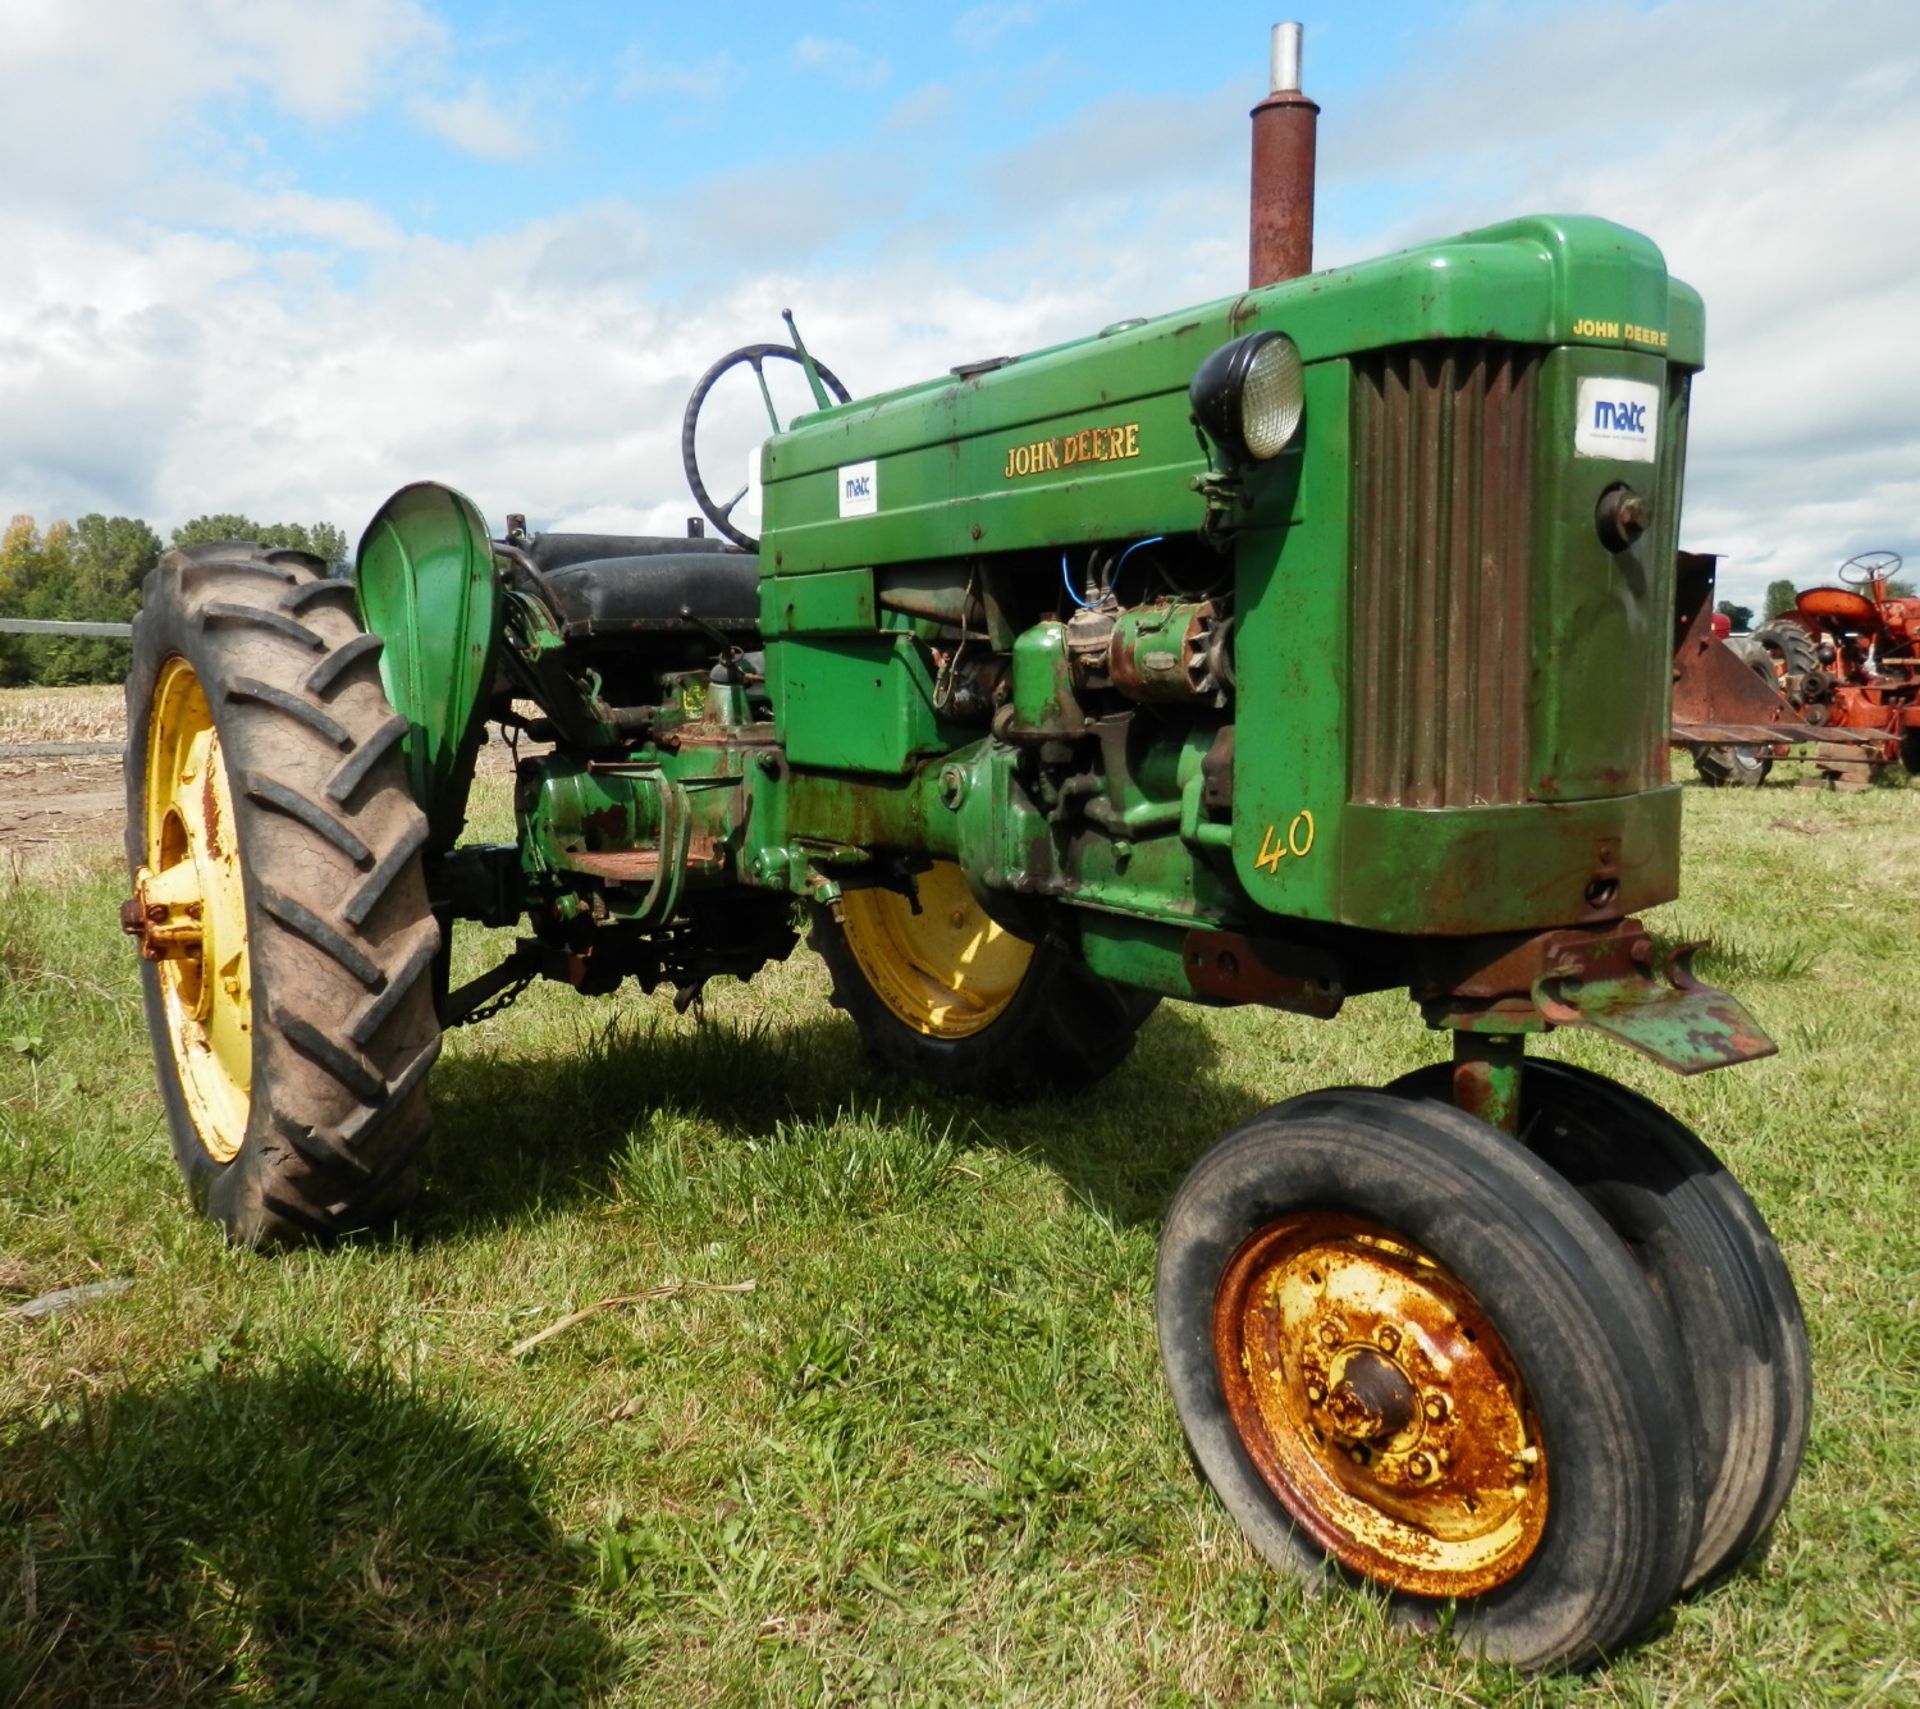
x=926, y=1457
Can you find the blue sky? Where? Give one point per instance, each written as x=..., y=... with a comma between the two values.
x=280, y=256
x=605, y=100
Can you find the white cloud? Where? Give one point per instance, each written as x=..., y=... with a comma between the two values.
x=642, y=75
x=1777, y=188
x=981, y=26
x=476, y=122
x=99, y=93
x=844, y=62
x=544, y=368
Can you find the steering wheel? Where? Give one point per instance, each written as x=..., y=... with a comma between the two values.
x=754, y=356
x=1869, y=567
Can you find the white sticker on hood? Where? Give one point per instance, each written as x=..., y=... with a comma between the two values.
x=1618, y=419
x=859, y=489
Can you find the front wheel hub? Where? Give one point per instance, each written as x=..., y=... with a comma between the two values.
x=1380, y=1405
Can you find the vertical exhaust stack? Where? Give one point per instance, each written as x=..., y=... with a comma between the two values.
x=1284, y=125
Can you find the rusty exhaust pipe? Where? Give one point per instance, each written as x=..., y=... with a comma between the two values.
x=1283, y=143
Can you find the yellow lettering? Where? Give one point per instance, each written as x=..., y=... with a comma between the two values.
x=1296, y=844
x=1271, y=853
x=1089, y=445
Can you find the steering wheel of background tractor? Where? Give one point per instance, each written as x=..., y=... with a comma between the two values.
x=754, y=356
x=1869, y=567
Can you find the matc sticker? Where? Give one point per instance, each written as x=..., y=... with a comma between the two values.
x=859, y=489
x=1619, y=419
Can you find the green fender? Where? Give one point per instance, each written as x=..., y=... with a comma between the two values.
x=425, y=584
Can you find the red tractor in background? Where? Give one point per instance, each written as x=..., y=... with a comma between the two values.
x=1848, y=658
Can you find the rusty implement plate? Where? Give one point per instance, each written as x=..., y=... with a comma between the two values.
x=1697, y=735
x=1681, y=1023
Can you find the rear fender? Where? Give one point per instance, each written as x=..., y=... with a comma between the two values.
x=425, y=583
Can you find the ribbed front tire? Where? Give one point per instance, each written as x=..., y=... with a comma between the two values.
x=1453, y=1208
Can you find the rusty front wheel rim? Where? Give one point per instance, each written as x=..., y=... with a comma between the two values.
x=1380, y=1406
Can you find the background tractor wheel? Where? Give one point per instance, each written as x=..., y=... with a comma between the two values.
x=947, y=996
x=1731, y=767
x=1711, y=1260
x=1395, y=1340
x=1794, y=654
x=278, y=895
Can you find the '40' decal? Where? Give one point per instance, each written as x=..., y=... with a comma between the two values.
x=1298, y=841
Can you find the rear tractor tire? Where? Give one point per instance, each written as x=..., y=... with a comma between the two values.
x=287, y=945
x=1400, y=1346
x=1792, y=653
x=948, y=996
x=1743, y=767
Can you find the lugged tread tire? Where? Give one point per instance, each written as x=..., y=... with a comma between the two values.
x=1599, y=1356
x=1731, y=767
x=341, y=939
x=1713, y=1263
x=1783, y=639
x=1065, y=1029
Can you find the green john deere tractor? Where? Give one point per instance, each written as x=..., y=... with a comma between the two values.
x=1202, y=658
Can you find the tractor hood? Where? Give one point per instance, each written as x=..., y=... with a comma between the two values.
x=1002, y=454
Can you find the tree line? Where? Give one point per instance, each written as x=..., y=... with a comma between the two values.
x=90, y=571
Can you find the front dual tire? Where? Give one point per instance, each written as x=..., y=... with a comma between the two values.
x=1549, y=1383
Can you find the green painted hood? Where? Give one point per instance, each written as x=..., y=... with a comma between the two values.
x=948, y=478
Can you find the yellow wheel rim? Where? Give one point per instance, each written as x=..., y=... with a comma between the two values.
x=1380, y=1405
x=190, y=914
x=947, y=971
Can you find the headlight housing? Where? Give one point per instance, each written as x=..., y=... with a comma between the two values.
x=1248, y=396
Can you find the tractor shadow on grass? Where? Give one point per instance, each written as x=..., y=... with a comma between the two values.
x=529, y=1135
x=309, y=1531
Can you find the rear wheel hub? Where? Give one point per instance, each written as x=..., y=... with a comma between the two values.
x=189, y=911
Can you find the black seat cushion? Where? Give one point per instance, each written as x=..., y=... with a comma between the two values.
x=658, y=591
x=551, y=552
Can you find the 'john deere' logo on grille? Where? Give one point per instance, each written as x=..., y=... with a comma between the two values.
x=1094, y=445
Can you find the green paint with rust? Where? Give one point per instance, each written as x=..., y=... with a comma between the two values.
x=967, y=466
x=942, y=448
x=1119, y=836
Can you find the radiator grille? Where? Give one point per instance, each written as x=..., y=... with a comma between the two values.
x=1443, y=438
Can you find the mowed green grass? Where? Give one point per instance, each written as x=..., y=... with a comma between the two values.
x=928, y=1457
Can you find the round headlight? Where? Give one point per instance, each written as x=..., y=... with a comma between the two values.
x=1249, y=395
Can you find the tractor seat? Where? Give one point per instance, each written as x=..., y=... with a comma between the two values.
x=618, y=584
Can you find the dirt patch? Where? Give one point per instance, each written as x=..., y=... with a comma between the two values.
x=71, y=797
x=50, y=801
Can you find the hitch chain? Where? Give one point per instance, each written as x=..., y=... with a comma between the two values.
x=493, y=1005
